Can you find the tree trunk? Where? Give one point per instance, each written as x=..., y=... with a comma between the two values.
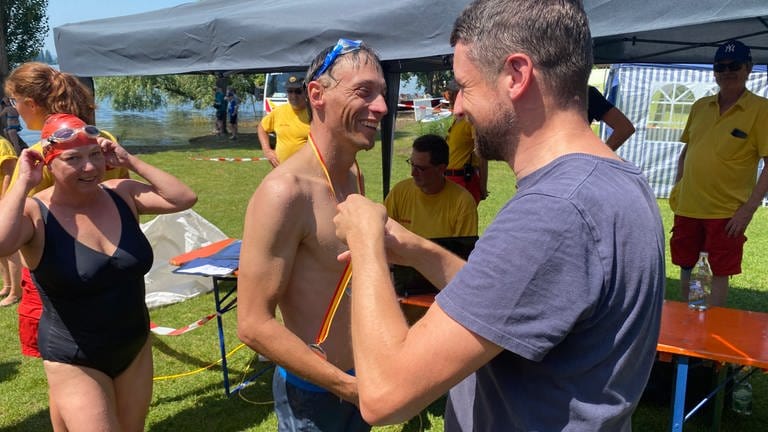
x=3, y=52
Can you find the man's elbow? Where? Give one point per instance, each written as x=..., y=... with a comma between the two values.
x=244, y=334
x=249, y=331
x=188, y=200
x=384, y=406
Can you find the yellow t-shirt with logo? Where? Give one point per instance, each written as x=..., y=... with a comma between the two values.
x=723, y=152
x=452, y=212
x=291, y=128
x=47, y=179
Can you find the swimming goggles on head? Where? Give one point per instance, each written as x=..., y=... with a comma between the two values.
x=343, y=46
x=68, y=134
x=68, y=138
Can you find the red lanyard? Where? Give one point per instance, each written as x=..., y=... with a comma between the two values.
x=325, y=327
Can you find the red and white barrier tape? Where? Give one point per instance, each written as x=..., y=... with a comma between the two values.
x=229, y=159
x=167, y=331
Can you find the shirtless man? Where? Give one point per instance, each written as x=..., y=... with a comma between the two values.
x=288, y=260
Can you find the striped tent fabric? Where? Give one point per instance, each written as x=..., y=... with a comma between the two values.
x=639, y=90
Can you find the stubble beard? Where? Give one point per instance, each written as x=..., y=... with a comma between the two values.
x=498, y=140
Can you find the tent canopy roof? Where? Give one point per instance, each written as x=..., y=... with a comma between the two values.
x=409, y=35
x=257, y=36
x=681, y=31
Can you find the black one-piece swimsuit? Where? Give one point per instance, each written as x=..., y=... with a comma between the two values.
x=94, y=313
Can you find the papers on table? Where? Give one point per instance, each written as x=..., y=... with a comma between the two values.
x=222, y=263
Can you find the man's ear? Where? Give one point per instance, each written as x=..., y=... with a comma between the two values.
x=517, y=74
x=315, y=92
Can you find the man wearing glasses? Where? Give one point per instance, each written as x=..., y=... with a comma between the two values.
x=427, y=203
x=290, y=122
x=289, y=260
x=715, y=193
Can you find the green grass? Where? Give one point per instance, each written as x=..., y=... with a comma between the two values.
x=197, y=401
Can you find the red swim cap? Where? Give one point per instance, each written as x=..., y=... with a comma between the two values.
x=63, y=132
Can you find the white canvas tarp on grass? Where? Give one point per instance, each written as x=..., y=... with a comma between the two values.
x=171, y=235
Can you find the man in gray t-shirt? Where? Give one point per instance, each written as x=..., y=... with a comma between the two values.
x=567, y=281
x=552, y=323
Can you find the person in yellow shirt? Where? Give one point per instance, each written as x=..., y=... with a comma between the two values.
x=7, y=163
x=290, y=122
x=465, y=167
x=715, y=193
x=428, y=204
x=11, y=265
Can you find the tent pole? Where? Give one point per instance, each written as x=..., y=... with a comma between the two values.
x=388, y=128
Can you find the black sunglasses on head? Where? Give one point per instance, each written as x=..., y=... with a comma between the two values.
x=722, y=67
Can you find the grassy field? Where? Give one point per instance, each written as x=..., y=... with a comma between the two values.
x=188, y=392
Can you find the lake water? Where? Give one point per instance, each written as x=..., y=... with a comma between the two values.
x=172, y=126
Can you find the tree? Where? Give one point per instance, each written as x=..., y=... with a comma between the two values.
x=433, y=82
x=23, y=26
x=45, y=56
x=142, y=93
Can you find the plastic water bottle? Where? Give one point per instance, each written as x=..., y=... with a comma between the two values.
x=741, y=400
x=700, y=286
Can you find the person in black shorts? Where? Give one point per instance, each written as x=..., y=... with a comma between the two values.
x=233, y=107
x=220, y=105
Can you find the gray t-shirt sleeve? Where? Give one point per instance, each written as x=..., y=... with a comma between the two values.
x=532, y=276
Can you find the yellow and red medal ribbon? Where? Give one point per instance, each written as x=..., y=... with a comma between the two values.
x=325, y=326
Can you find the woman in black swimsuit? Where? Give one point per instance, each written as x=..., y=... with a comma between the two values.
x=82, y=241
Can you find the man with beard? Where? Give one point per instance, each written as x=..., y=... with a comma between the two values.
x=288, y=260
x=552, y=323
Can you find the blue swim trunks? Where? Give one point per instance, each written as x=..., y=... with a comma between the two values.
x=303, y=406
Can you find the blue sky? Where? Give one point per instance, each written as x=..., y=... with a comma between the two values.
x=66, y=11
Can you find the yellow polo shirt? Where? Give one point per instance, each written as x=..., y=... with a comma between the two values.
x=720, y=168
x=452, y=212
x=291, y=128
x=461, y=144
x=47, y=179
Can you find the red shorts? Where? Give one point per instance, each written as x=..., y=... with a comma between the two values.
x=691, y=236
x=473, y=186
x=30, y=309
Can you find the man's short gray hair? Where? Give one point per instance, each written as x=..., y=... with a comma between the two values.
x=553, y=33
